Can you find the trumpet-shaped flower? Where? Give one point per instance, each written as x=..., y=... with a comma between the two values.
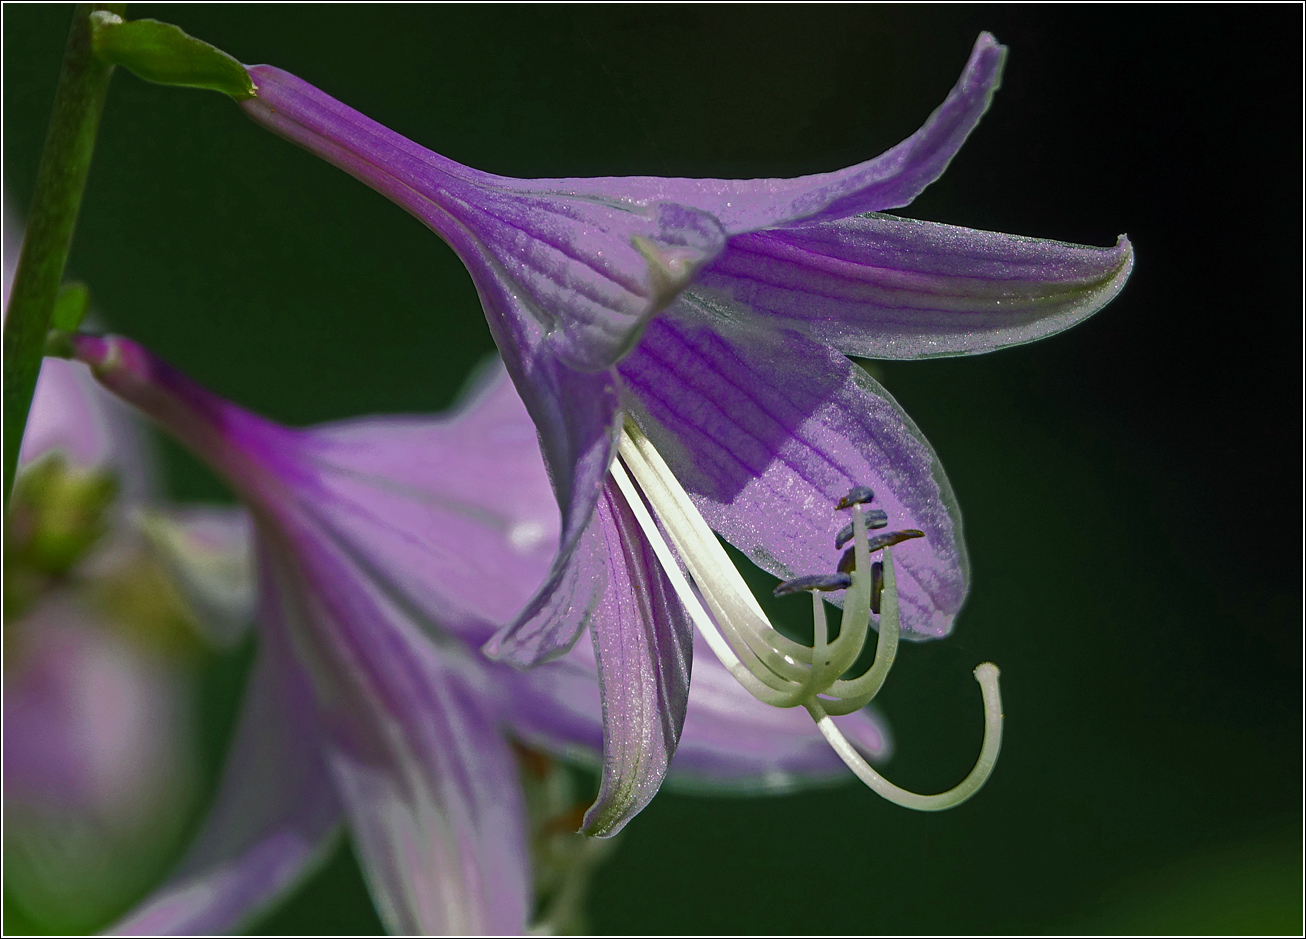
x=388, y=550
x=702, y=327
x=718, y=314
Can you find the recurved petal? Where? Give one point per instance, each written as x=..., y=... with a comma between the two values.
x=643, y=645
x=884, y=287
x=734, y=743
x=275, y=815
x=892, y=179
x=428, y=784
x=767, y=430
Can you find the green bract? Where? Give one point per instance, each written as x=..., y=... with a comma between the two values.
x=163, y=53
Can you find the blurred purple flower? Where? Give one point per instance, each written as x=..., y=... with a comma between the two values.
x=388, y=550
x=99, y=760
x=711, y=319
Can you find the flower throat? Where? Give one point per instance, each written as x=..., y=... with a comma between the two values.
x=772, y=667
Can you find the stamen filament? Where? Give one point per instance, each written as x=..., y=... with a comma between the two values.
x=715, y=640
x=987, y=676
x=856, y=693
x=856, y=606
x=697, y=545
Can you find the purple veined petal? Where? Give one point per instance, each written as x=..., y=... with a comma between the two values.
x=591, y=270
x=643, y=646
x=208, y=553
x=577, y=416
x=893, y=288
x=733, y=743
x=257, y=457
x=767, y=430
x=275, y=817
x=270, y=465
x=454, y=511
x=892, y=179
x=427, y=781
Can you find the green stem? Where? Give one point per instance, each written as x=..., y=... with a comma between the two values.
x=83, y=82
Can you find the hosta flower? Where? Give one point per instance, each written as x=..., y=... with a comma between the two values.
x=388, y=551
x=704, y=325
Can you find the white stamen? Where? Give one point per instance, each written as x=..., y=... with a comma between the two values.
x=773, y=668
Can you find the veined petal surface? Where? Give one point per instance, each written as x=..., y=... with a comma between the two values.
x=407, y=727
x=573, y=259
x=643, y=646
x=454, y=511
x=427, y=781
x=883, y=287
x=767, y=430
x=275, y=815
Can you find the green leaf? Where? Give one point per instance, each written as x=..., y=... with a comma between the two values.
x=160, y=52
x=70, y=306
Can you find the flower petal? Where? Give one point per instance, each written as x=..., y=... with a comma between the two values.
x=591, y=271
x=429, y=787
x=273, y=465
x=428, y=783
x=768, y=429
x=643, y=645
x=275, y=815
x=892, y=179
x=577, y=416
x=894, y=288
x=731, y=742
x=454, y=512
x=734, y=743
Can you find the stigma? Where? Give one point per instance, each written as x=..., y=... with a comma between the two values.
x=773, y=668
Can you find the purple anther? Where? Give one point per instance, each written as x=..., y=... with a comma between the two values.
x=877, y=585
x=848, y=563
x=857, y=495
x=814, y=582
x=875, y=518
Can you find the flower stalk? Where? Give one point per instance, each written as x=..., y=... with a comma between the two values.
x=60, y=181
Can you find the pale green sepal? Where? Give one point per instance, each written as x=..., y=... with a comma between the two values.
x=163, y=53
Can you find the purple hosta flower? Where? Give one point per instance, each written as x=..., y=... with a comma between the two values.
x=706, y=323
x=388, y=550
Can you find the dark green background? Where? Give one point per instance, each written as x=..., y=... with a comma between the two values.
x=1131, y=488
